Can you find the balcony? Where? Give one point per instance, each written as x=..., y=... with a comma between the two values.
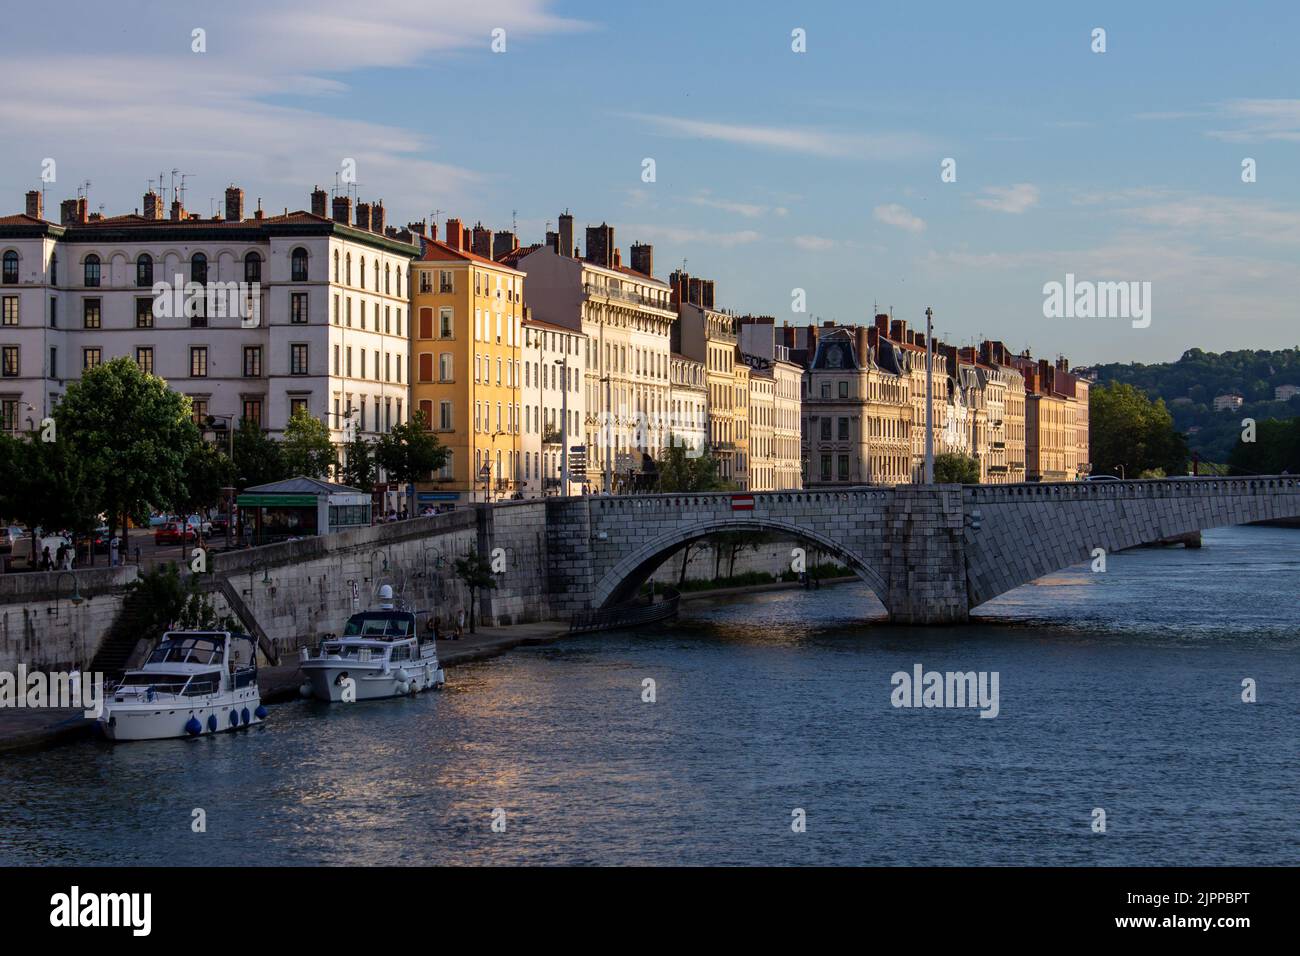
x=636, y=298
x=551, y=438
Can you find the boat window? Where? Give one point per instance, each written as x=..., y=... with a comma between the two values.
x=383, y=626
x=188, y=650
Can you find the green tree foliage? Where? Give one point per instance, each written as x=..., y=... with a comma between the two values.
x=207, y=470
x=951, y=468
x=475, y=572
x=132, y=433
x=47, y=485
x=1130, y=434
x=307, y=448
x=681, y=474
x=410, y=452
x=258, y=459
x=1276, y=449
x=359, y=464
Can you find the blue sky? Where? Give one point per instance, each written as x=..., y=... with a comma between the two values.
x=775, y=170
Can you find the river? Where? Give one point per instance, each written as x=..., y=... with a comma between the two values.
x=1118, y=691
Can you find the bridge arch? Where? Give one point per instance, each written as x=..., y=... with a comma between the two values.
x=621, y=581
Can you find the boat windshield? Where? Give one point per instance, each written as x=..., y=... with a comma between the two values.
x=383, y=625
x=205, y=649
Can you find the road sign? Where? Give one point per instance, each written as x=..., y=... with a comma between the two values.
x=742, y=502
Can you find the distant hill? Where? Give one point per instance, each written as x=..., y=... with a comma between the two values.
x=1189, y=386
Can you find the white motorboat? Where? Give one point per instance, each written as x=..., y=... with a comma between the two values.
x=194, y=683
x=381, y=654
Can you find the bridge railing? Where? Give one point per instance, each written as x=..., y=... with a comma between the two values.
x=628, y=615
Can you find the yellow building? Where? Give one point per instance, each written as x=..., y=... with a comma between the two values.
x=740, y=421
x=466, y=341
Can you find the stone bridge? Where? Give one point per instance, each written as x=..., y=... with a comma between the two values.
x=930, y=553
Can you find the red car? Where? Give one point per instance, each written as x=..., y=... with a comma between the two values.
x=170, y=533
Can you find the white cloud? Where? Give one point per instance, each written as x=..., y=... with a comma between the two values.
x=1011, y=199
x=1261, y=119
x=686, y=234
x=893, y=214
x=793, y=139
x=814, y=243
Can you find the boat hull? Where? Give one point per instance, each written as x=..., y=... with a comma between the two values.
x=163, y=720
x=325, y=680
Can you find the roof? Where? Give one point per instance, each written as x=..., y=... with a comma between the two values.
x=543, y=324
x=435, y=250
x=302, y=485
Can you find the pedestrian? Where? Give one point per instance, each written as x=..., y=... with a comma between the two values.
x=460, y=624
x=113, y=545
x=46, y=563
x=60, y=555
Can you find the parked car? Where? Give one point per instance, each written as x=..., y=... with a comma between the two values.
x=156, y=520
x=9, y=538
x=218, y=525
x=202, y=525
x=173, y=533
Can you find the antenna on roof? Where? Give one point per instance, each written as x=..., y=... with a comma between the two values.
x=175, y=173
x=514, y=221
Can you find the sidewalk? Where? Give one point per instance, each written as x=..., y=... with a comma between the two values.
x=22, y=729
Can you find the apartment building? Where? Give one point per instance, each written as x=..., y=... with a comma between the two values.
x=468, y=370
x=251, y=316
x=688, y=405
x=626, y=317
x=554, y=372
x=771, y=368
x=1055, y=449
x=709, y=336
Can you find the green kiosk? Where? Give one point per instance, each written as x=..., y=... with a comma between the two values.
x=300, y=507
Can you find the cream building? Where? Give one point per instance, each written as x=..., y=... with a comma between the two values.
x=554, y=374
x=688, y=405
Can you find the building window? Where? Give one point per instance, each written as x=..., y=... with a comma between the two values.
x=11, y=364
x=844, y=467
x=199, y=362
x=444, y=416
x=843, y=429
x=388, y=279
x=199, y=411
x=199, y=268
x=826, y=389
x=336, y=265
x=425, y=369
x=298, y=359
x=11, y=309
x=54, y=313
x=11, y=268
x=298, y=308
x=252, y=267
x=444, y=281
x=253, y=410
x=144, y=270
x=252, y=361
x=426, y=322
x=363, y=272
x=144, y=359
x=297, y=405
x=298, y=265
x=144, y=313
x=92, y=270
x=426, y=281
x=445, y=367
x=844, y=389
x=826, y=429
x=444, y=323
x=90, y=317
x=90, y=358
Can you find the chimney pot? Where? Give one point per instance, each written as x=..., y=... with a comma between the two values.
x=35, y=204
x=319, y=200
x=234, y=203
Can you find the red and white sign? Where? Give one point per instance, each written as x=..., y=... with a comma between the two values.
x=742, y=502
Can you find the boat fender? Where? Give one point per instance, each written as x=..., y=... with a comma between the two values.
x=234, y=719
x=261, y=712
x=244, y=715
x=305, y=688
x=402, y=675
x=193, y=727
x=401, y=687
x=212, y=722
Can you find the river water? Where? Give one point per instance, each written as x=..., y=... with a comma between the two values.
x=1118, y=692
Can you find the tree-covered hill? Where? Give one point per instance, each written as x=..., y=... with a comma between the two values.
x=1190, y=385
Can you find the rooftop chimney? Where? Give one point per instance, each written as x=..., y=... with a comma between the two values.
x=178, y=211
x=643, y=258
x=504, y=243
x=319, y=200
x=566, y=234
x=481, y=242
x=35, y=204
x=234, y=203
x=455, y=234
x=363, y=216
x=343, y=209
x=553, y=242
x=81, y=209
x=68, y=212
x=600, y=245
x=898, y=330
x=378, y=217
x=152, y=205
x=416, y=228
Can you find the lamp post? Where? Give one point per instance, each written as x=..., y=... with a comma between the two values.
x=75, y=597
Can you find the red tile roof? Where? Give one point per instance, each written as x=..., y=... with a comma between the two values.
x=435, y=250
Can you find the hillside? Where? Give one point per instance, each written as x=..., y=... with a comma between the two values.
x=1189, y=386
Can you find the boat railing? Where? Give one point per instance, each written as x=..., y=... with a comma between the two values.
x=199, y=685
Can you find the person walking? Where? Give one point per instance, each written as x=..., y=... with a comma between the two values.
x=60, y=555
x=460, y=623
x=47, y=564
x=113, y=545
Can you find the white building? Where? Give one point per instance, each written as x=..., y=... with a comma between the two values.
x=688, y=405
x=1228, y=403
x=554, y=359
x=322, y=302
x=1284, y=393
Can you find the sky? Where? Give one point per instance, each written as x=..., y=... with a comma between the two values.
x=773, y=170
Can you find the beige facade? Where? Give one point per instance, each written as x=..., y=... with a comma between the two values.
x=708, y=336
x=688, y=405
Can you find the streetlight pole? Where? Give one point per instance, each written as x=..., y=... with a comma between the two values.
x=929, y=396
x=564, y=427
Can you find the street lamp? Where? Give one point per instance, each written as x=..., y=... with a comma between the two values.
x=75, y=597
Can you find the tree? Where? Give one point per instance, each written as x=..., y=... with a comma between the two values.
x=258, y=460
x=132, y=433
x=475, y=572
x=47, y=485
x=952, y=468
x=307, y=447
x=1131, y=434
x=359, y=464
x=410, y=452
x=679, y=473
x=207, y=470
x=1276, y=449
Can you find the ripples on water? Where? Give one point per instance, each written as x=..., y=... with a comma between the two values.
x=1118, y=690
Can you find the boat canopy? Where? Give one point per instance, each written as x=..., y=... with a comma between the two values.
x=383, y=625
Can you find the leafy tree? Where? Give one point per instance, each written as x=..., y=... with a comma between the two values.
x=679, y=473
x=132, y=433
x=207, y=471
x=952, y=468
x=358, y=469
x=1131, y=434
x=1276, y=449
x=259, y=460
x=47, y=485
x=410, y=452
x=475, y=572
x=307, y=447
